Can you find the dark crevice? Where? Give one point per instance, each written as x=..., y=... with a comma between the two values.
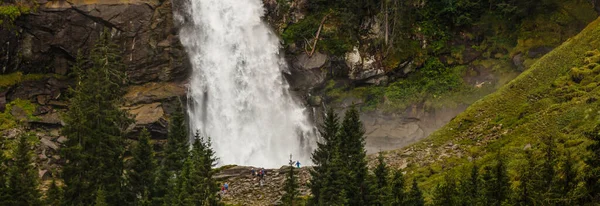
x=98, y=19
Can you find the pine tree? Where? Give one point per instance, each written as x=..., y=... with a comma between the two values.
x=141, y=175
x=592, y=176
x=352, y=147
x=197, y=184
x=94, y=128
x=322, y=156
x=495, y=183
x=177, y=147
x=381, y=181
x=545, y=187
x=524, y=192
x=290, y=186
x=100, y=198
x=469, y=187
x=445, y=193
x=161, y=186
x=415, y=196
x=567, y=181
x=3, y=170
x=22, y=176
x=333, y=191
x=398, y=196
x=54, y=194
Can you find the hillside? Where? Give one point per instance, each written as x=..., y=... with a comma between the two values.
x=557, y=98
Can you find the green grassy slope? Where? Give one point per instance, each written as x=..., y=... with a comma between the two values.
x=557, y=97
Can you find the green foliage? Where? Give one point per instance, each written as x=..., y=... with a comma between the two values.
x=7, y=120
x=140, y=177
x=9, y=13
x=176, y=150
x=100, y=198
x=469, y=188
x=94, y=127
x=446, y=193
x=592, y=177
x=415, y=196
x=22, y=179
x=433, y=81
x=381, y=193
x=542, y=101
x=352, y=147
x=397, y=194
x=54, y=194
x=322, y=156
x=290, y=186
x=195, y=184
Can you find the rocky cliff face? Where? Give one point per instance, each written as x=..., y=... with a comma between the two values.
x=50, y=38
x=42, y=46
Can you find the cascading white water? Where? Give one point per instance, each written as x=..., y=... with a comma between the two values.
x=238, y=95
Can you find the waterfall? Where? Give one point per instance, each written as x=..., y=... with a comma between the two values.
x=237, y=93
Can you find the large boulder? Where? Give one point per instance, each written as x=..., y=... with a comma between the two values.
x=53, y=36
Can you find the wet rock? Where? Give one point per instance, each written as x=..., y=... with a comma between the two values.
x=316, y=61
x=315, y=101
x=61, y=139
x=518, y=61
x=150, y=116
x=43, y=99
x=538, y=51
x=48, y=119
x=18, y=113
x=362, y=67
x=44, y=174
x=153, y=92
x=48, y=143
x=144, y=29
x=3, y=100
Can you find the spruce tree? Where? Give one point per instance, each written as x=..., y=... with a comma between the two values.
x=445, y=193
x=496, y=185
x=100, y=198
x=398, y=196
x=322, y=156
x=197, y=184
x=567, y=181
x=352, y=148
x=140, y=177
x=161, y=186
x=415, y=196
x=381, y=181
x=469, y=187
x=3, y=170
x=290, y=186
x=524, y=192
x=545, y=187
x=22, y=176
x=54, y=194
x=94, y=128
x=177, y=147
x=333, y=191
x=592, y=175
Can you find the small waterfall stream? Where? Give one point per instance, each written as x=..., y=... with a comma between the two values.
x=237, y=93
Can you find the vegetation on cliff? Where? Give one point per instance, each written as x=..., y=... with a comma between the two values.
x=542, y=123
x=444, y=42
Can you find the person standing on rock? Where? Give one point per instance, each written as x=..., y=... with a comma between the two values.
x=226, y=187
x=298, y=163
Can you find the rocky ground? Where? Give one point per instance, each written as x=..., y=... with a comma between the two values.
x=245, y=189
